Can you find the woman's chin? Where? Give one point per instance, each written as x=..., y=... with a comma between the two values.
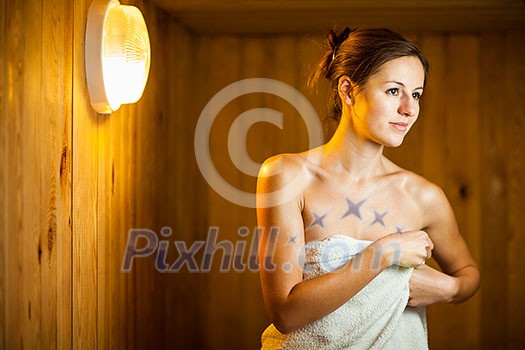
x=393, y=143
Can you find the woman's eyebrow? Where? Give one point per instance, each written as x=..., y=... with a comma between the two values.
x=403, y=85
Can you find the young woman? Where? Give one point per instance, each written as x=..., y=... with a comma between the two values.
x=342, y=261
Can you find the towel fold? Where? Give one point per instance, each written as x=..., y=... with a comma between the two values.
x=377, y=317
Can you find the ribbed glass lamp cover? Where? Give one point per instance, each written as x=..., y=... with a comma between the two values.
x=118, y=54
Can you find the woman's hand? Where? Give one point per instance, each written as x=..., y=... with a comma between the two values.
x=409, y=249
x=429, y=286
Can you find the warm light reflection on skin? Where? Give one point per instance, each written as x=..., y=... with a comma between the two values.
x=390, y=95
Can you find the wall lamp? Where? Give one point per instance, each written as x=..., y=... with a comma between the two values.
x=117, y=55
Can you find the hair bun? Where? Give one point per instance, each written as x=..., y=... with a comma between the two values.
x=334, y=40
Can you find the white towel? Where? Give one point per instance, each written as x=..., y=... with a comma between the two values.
x=375, y=318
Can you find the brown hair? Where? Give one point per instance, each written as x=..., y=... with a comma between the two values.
x=359, y=54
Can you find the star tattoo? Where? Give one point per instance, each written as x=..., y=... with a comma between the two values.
x=353, y=209
x=379, y=218
x=318, y=220
x=399, y=229
x=291, y=239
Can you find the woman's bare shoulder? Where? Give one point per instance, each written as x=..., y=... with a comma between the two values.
x=425, y=192
x=285, y=177
x=286, y=165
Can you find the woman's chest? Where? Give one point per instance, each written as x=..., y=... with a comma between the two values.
x=363, y=213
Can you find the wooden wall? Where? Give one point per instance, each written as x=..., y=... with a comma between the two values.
x=135, y=169
x=72, y=183
x=36, y=173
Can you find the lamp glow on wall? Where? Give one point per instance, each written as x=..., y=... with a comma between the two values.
x=117, y=54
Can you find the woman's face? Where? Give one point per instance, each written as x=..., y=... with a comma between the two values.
x=388, y=104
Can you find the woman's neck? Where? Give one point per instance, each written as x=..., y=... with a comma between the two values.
x=359, y=157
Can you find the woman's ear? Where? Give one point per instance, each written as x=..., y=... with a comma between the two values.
x=344, y=88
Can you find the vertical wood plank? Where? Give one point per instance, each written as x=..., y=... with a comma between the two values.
x=462, y=128
x=515, y=147
x=85, y=196
x=37, y=216
x=3, y=176
x=130, y=322
x=152, y=137
x=198, y=198
x=15, y=312
x=105, y=273
x=282, y=67
x=33, y=213
x=163, y=197
x=255, y=63
x=462, y=183
x=221, y=296
x=149, y=130
x=494, y=232
x=185, y=183
x=148, y=119
x=52, y=123
x=56, y=119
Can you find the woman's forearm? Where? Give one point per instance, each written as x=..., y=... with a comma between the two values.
x=313, y=299
x=429, y=286
x=467, y=283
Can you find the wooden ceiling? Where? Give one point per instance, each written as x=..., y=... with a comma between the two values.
x=287, y=16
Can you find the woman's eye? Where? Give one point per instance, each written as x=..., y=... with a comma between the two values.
x=393, y=91
x=416, y=95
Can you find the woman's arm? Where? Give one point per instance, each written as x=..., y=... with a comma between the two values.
x=292, y=303
x=460, y=277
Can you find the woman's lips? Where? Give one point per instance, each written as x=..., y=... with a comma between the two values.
x=400, y=126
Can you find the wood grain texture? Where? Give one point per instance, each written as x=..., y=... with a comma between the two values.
x=36, y=120
x=515, y=115
x=181, y=198
x=84, y=196
x=13, y=83
x=3, y=176
x=462, y=124
x=461, y=171
x=223, y=70
x=24, y=190
x=494, y=181
x=255, y=63
x=56, y=116
x=33, y=203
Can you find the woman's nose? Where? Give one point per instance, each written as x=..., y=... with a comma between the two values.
x=408, y=107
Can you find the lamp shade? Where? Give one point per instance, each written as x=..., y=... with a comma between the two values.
x=117, y=54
